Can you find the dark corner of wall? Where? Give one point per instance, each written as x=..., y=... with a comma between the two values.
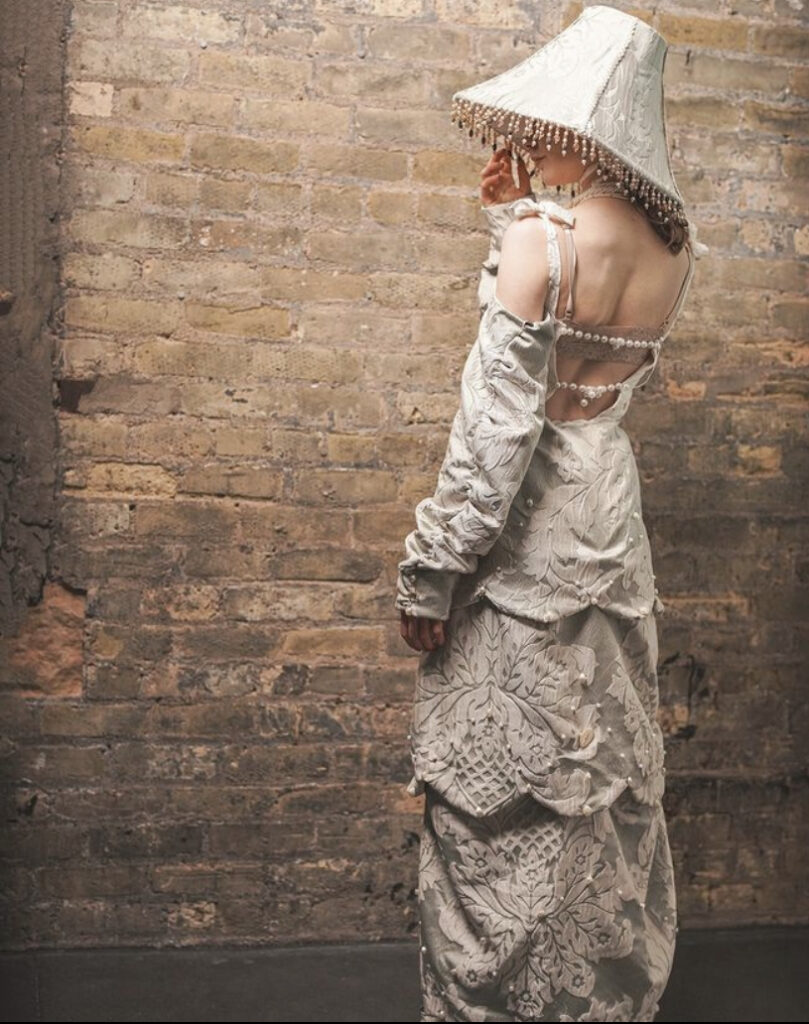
x=32, y=113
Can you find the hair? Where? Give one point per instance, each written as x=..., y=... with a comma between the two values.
x=672, y=232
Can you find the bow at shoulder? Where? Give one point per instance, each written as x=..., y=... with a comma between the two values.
x=700, y=249
x=530, y=204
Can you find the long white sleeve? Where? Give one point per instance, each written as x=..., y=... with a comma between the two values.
x=492, y=440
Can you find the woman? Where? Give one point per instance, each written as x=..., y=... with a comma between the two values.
x=546, y=888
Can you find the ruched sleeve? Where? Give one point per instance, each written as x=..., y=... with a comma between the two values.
x=492, y=440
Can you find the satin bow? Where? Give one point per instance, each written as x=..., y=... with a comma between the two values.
x=548, y=206
x=700, y=248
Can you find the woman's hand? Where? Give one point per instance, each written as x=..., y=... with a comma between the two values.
x=496, y=182
x=422, y=634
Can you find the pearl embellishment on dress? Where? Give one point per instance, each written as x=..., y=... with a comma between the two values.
x=591, y=390
x=617, y=342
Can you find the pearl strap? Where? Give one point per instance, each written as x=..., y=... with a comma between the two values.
x=591, y=391
x=617, y=342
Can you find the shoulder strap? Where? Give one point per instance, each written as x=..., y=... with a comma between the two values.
x=571, y=275
x=665, y=327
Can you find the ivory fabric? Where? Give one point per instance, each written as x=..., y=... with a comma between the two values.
x=546, y=884
x=596, y=87
x=543, y=516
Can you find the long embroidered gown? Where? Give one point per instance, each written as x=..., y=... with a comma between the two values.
x=546, y=887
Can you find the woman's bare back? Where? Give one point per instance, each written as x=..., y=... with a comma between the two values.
x=624, y=277
x=625, y=283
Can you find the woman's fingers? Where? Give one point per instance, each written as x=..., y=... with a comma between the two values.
x=421, y=633
x=426, y=634
x=496, y=180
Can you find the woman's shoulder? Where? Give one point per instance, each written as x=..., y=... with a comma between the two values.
x=524, y=268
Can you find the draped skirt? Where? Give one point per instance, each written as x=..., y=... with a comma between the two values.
x=545, y=877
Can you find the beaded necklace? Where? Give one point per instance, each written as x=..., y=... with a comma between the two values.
x=600, y=187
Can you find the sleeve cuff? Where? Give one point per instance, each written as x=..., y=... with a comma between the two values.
x=426, y=592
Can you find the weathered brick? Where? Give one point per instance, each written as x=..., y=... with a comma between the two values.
x=208, y=279
x=340, y=487
x=181, y=23
x=188, y=106
x=130, y=479
x=379, y=81
x=414, y=126
x=109, y=313
x=130, y=60
x=730, y=73
x=780, y=40
x=244, y=481
x=769, y=117
x=341, y=204
x=91, y=99
x=283, y=76
x=269, y=237
x=137, y=144
x=232, y=153
x=106, y=272
x=367, y=163
x=334, y=642
x=122, y=228
x=434, y=42
x=714, y=33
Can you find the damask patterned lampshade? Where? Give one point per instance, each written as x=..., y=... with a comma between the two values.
x=598, y=88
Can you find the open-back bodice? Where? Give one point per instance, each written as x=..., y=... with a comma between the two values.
x=605, y=342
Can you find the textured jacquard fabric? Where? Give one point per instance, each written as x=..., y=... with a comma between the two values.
x=527, y=915
x=544, y=517
x=546, y=884
x=565, y=712
x=493, y=437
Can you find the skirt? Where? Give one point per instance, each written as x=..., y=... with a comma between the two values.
x=545, y=877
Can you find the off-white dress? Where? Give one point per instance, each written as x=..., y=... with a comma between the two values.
x=546, y=887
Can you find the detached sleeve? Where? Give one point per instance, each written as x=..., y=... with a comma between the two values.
x=492, y=440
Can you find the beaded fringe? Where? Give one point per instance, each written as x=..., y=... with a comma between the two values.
x=524, y=133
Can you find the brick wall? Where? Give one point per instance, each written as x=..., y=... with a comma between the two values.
x=271, y=247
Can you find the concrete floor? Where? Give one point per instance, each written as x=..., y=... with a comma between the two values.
x=757, y=974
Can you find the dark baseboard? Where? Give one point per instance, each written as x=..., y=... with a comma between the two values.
x=749, y=974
